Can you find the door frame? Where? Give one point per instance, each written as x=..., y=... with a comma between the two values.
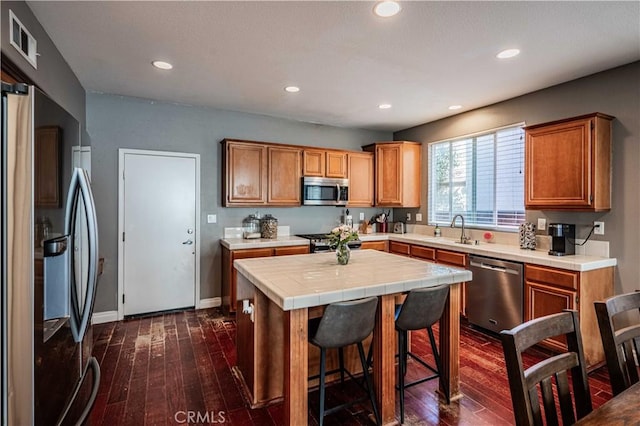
x=121, y=156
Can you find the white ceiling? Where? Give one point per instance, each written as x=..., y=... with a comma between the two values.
x=240, y=55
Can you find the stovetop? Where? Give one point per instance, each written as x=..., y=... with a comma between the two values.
x=320, y=242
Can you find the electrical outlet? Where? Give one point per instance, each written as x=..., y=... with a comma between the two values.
x=599, y=228
x=408, y=217
x=542, y=224
x=361, y=215
x=212, y=218
x=418, y=217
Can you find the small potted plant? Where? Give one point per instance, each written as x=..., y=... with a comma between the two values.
x=338, y=238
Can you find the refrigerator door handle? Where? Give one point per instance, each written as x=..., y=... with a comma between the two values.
x=83, y=309
x=95, y=369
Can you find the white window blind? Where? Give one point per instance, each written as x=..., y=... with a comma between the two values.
x=479, y=176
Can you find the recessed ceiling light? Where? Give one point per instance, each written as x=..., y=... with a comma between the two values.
x=455, y=107
x=386, y=9
x=384, y=106
x=292, y=89
x=162, y=65
x=508, y=53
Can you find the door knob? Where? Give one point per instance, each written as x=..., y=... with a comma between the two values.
x=188, y=242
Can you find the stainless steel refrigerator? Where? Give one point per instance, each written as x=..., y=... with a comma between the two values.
x=49, y=264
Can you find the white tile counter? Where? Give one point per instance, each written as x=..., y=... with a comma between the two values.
x=240, y=243
x=273, y=354
x=302, y=281
x=579, y=263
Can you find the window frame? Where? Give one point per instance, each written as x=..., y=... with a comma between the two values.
x=472, y=146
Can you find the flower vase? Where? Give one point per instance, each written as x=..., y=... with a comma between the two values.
x=343, y=253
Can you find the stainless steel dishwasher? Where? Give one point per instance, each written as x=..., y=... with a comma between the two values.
x=495, y=296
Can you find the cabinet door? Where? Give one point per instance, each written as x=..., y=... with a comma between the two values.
x=455, y=259
x=336, y=164
x=230, y=275
x=411, y=174
x=245, y=174
x=285, y=251
x=313, y=162
x=568, y=164
x=284, y=176
x=47, y=167
x=361, y=179
x=541, y=300
x=389, y=174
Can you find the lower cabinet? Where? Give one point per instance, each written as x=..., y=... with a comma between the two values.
x=550, y=290
x=434, y=255
x=230, y=275
x=454, y=258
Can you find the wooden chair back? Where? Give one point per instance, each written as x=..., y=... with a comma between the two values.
x=620, y=344
x=524, y=383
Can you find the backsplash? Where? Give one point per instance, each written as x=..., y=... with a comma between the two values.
x=543, y=242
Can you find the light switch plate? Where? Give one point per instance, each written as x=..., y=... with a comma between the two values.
x=418, y=217
x=361, y=215
x=408, y=217
x=212, y=218
x=542, y=224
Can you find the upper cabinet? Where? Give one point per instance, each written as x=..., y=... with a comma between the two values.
x=324, y=163
x=244, y=173
x=47, y=167
x=397, y=173
x=360, y=179
x=568, y=164
x=284, y=176
x=256, y=173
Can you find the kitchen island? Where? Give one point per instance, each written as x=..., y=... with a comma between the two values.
x=284, y=292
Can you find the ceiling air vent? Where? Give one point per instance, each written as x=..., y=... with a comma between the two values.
x=22, y=40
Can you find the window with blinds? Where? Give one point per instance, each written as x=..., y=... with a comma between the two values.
x=479, y=176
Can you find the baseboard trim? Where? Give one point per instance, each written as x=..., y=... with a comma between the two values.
x=212, y=302
x=109, y=316
x=102, y=317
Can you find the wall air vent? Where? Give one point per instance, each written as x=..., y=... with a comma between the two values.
x=22, y=40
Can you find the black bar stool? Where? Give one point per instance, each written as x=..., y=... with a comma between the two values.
x=420, y=310
x=344, y=324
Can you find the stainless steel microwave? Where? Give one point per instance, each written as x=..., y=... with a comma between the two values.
x=319, y=191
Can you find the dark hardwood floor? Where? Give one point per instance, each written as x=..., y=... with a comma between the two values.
x=161, y=370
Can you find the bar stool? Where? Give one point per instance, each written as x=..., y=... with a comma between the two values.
x=420, y=310
x=344, y=324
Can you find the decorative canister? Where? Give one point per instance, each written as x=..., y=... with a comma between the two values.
x=269, y=226
x=528, y=236
x=251, y=227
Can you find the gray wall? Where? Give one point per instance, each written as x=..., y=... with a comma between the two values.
x=53, y=74
x=115, y=122
x=615, y=92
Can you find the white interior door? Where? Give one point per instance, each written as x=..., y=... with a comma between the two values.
x=158, y=222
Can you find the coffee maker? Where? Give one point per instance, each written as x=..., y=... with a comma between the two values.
x=562, y=239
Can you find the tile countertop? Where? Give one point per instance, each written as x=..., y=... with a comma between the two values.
x=580, y=263
x=306, y=280
x=240, y=243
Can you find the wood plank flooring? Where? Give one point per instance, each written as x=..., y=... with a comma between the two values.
x=176, y=369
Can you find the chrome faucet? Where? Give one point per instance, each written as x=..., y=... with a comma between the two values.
x=463, y=238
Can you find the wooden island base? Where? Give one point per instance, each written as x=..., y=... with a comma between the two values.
x=261, y=346
x=260, y=358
